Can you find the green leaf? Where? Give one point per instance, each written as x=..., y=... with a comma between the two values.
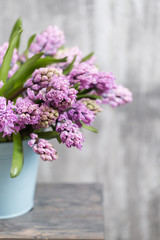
x=48, y=135
x=17, y=159
x=59, y=139
x=89, y=96
x=85, y=91
x=76, y=86
x=8, y=57
x=43, y=62
x=90, y=128
x=69, y=67
x=18, y=79
x=17, y=26
x=30, y=40
x=87, y=57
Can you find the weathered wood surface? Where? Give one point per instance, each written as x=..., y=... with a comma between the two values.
x=125, y=154
x=62, y=211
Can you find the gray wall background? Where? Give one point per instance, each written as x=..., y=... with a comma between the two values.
x=124, y=155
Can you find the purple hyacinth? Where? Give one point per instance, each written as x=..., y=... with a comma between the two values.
x=14, y=66
x=70, y=133
x=80, y=112
x=92, y=105
x=48, y=41
x=70, y=53
x=48, y=116
x=42, y=148
x=84, y=74
x=58, y=93
x=27, y=111
x=119, y=95
x=8, y=118
x=89, y=77
x=40, y=79
x=105, y=82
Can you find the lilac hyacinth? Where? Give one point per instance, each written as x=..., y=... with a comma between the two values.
x=119, y=95
x=27, y=111
x=105, y=82
x=48, y=41
x=84, y=74
x=43, y=148
x=40, y=79
x=48, y=116
x=70, y=133
x=8, y=118
x=70, y=53
x=49, y=85
x=80, y=112
x=89, y=77
x=14, y=66
x=58, y=93
x=92, y=105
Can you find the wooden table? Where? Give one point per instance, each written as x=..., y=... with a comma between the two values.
x=62, y=211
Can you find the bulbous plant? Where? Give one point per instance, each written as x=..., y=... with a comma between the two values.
x=50, y=91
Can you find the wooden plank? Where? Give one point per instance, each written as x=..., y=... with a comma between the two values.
x=62, y=211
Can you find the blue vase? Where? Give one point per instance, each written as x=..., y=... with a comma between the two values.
x=17, y=194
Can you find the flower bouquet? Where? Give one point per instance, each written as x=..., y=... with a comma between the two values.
x=50, y=92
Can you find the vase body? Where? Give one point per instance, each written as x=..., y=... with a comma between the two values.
x=17, y=194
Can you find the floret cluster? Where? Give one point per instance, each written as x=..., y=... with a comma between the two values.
x=52, y=91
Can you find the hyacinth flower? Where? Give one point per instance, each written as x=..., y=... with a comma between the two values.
x=89, y=77
x=70, y=53
x=50, y=92
x=69, y=132
x=47, y=117
x=8, y=118
x=92, y=105
x=79, y=112
x=40, y=80
x=84, y=74
x=54, y=90
x=27, y=111
x=48, y=41
x=119, y=95
x=42, y=148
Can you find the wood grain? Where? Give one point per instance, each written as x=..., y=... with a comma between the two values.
x=62, y=211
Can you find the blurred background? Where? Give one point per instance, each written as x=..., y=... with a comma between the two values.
x=125, y=154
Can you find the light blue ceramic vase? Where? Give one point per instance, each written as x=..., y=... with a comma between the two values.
x=17, y=194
